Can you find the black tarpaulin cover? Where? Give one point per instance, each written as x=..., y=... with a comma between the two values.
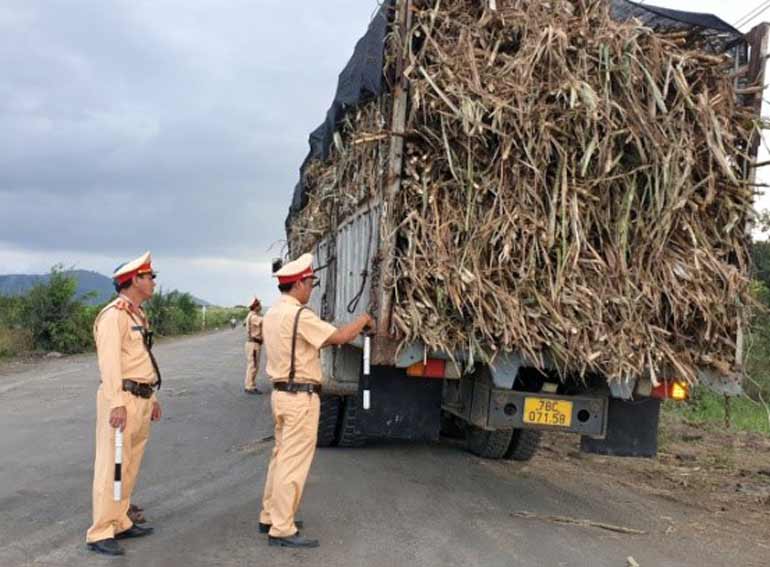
x=360, y=80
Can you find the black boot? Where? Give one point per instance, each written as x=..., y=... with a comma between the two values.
x=106, y=547
x=295, y=540
x=135, y=531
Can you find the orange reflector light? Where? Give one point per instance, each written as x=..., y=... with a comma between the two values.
x=415, y=369
x=433, y=368
x=679, y=391
x=671, y=390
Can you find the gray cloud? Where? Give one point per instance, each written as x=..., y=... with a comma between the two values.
x=177, y=126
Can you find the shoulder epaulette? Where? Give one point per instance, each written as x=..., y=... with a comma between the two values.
x=111, y=305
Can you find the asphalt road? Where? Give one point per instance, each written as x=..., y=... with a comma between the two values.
x=386, y=504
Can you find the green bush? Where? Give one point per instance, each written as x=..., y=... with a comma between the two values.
x=176, y=313
x=173, y=313
x=56, y=319
x=218, y=317
x=11, y=308
x=758, y=346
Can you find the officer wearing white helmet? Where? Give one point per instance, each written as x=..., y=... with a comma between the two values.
x=253, y=346
x=293, y=336
x=126, y=403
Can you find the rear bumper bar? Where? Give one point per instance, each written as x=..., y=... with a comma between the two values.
x=495, y=408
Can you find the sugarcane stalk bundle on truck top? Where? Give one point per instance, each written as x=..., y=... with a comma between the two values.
x=534, y=197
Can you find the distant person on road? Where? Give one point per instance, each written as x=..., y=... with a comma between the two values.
x=293, y=337
x=253, y=325
x=126, y=401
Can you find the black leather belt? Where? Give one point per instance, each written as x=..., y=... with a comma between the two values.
x=138, y=389
x=258, y=341
x=295, y=387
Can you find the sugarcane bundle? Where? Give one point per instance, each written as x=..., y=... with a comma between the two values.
x=354, y=172
x=572, y=188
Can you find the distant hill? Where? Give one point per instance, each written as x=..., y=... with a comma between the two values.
x=18, y=284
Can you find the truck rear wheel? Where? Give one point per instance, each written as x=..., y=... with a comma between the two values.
x=488, y=444
x=350, y=434
x=450, y=427
x=524, y=444
x=328, y=422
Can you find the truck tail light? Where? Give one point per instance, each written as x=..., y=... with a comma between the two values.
x=431, y=368
x=671, y=390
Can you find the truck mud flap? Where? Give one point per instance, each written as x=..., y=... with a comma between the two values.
x=402, y=407
x=632, y=430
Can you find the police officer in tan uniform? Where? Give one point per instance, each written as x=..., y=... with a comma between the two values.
x=126, y=401
x=293, y=336
x=253, y=325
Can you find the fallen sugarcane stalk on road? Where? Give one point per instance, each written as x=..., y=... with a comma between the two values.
x=578, y=522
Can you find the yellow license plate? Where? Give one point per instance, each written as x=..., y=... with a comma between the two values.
x=545, y=411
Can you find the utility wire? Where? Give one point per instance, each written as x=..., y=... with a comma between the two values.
x=765, y=9
x=751, y=14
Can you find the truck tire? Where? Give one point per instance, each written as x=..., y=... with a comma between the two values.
x=328, y=422
x=488, y=444
x=450, y=428
x=349, y=432
x=524, y=444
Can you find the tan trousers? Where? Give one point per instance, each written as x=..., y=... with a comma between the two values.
x=296, y=431
x=252, y=365
x=110, y=517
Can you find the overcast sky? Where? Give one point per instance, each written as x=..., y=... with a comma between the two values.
x=176, y=126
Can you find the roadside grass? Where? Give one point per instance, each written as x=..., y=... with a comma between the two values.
x=15, y=342
x=708, y=408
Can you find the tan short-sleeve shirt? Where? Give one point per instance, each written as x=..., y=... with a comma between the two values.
x=120, y=351
x=277, y=329
x=253, y=325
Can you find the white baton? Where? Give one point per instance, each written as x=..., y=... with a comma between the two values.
x=367, y=371
x=117, y=487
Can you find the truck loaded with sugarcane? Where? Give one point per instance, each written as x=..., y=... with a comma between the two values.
x=545, y=205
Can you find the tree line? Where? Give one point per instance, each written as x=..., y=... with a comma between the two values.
x=52, y=317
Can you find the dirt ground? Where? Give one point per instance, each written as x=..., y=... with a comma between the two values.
x=720, y=478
